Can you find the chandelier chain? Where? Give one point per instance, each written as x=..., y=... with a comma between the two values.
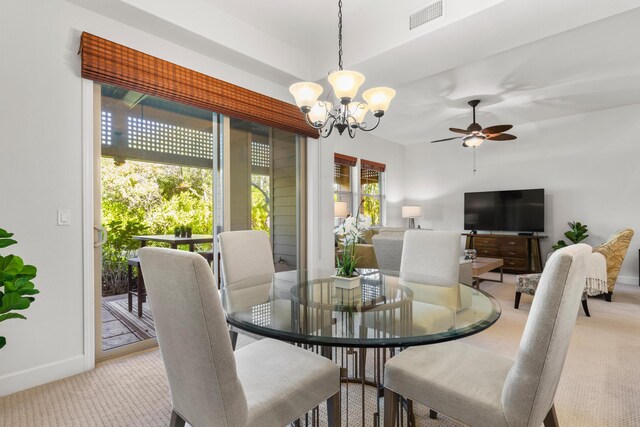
x=340, y=34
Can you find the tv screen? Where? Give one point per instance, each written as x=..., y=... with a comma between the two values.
x=513, y=210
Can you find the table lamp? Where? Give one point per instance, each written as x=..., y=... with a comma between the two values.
x=340, y=210
x=412, y=212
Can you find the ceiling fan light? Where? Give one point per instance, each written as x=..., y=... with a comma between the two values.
x=357, y=110
x=345, y=84
x=379, y=98
x=473, y=140
x=306, y=94
x=318, y=113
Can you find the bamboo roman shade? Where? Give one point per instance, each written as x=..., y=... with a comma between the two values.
x=371, y=165
x=343, y=159
x=107, y=62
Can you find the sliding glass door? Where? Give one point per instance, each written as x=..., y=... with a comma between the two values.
x=162, y=168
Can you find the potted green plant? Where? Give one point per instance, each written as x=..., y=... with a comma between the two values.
x=176, y=231
x=349, y=234
x=189, y=231
x=576, y=234
x=16, y=287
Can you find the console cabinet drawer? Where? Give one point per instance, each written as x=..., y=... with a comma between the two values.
x=513, y=243
x=519, y=264
x=485, y=242
x=514, y=252
x=487, y=251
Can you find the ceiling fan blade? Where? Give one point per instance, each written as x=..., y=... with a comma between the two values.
x=446, y=139
x=456, y=130
x=496, y=129
x=502, y=137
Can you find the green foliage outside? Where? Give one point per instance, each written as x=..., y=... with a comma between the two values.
x=576, y=234
x=371, y=205
x=16, y=287
x=147, y=198
x=260, y=199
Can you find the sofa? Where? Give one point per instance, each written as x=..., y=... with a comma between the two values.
x=387, y=245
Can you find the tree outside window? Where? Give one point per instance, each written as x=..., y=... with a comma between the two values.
x=371, y=191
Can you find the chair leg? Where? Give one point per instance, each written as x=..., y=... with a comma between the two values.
x=391, y=400
x=585, y=307
x=130, y=287
x=551, y=420
x=176, y=420
x=234, y=339
x=607, y=296
x=334, y=413
x=517, y=302
x=141, y=292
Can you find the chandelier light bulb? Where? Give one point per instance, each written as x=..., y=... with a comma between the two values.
x=379, y=99
x=345, y=84
x=306, y=94
x=318, y=113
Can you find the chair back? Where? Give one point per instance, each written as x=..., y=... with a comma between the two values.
x=194, y=338
x=614, y=250
x=431, y=257
x=531, y=384
x=247, y=258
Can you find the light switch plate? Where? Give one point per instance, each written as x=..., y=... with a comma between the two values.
x=64, y=216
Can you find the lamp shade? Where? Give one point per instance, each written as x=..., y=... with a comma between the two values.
x=473, y=140
x=305, y=93
x=411, y=211
x=340, y=209
x=379, y=98
x=318, y=113
x=358, y=110
x=346, y=83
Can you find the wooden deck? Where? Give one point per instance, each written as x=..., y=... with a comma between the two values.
x=120, y=326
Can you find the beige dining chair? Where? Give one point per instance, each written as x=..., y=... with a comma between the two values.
x=481, y=388
x=267, y=383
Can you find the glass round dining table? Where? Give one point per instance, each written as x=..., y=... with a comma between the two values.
x=383, y=311
x=359, y=327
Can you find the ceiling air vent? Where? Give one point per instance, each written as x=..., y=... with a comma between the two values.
x=426, y=14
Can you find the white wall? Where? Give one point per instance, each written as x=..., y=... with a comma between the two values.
x=587, y=164
x=41, y=157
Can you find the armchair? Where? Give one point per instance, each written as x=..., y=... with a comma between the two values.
x=614, y=250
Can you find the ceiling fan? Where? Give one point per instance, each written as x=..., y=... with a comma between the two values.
x=475, y=135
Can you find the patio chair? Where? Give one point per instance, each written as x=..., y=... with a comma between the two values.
x=267, y=383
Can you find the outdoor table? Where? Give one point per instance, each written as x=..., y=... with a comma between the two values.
x=358, y=328
x=175, y=241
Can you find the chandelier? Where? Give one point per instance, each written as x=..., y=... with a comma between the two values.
x=348, y=113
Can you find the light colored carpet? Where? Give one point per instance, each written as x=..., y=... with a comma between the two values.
x=600, y=385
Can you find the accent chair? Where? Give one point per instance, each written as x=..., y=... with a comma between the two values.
x=481, y=388
x=266, y=383
x=614, y=250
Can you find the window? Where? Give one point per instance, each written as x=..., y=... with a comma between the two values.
x=372, y=190
x=342, y=178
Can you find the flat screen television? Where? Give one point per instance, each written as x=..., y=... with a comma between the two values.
x=512, y=210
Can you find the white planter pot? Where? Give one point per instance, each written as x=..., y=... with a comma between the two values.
x=346, y=282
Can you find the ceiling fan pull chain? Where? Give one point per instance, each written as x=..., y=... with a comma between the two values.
x=474, y=160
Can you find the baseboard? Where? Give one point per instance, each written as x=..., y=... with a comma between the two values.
x=628, y=280
x=39, y=375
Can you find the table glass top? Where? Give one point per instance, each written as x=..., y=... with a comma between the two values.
x=383, y=311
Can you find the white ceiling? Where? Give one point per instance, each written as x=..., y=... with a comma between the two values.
x=526, y=60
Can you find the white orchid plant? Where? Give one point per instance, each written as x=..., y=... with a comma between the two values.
x=349, y=233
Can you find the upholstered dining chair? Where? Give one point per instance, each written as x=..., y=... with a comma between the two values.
x=430, y=267
x=481, y=388
x=268, y=383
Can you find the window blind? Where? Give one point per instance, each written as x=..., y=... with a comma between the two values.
x=104, y=61
x=371, y=165
x=343, y=159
